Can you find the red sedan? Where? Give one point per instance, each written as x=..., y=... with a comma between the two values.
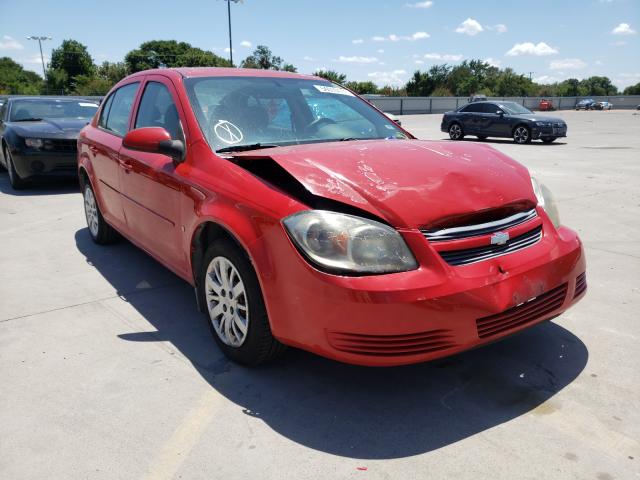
x=303, y=216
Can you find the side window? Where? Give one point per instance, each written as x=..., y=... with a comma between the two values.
x=3, y=111
x=120, y=108
x=104, y=113
x=472, y=108
x=490, y=108
x=157, y=109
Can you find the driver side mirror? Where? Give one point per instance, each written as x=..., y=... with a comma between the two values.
x=154, y=140
x=500, y=113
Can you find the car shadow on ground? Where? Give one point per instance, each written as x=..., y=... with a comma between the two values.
x=356, y=412
x=41, y=186
x=506, y=141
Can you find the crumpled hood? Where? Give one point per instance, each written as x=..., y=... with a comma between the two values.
x=50, y=128
x=409, y=183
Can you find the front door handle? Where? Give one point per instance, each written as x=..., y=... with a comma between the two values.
x=126, y=165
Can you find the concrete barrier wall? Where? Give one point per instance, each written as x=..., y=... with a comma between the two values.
x=411, y=105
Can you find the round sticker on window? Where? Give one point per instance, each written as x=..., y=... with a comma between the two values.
x=227, y=132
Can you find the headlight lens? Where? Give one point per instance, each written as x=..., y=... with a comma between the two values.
x=544, y=124
x=347, y=243
x=33, y=142
x=546, y=201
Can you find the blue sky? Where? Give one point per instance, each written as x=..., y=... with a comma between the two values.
x=381, y=40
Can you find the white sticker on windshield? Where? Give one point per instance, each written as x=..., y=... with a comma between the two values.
x=83, y=104
x=227, y=132
x=333, y=89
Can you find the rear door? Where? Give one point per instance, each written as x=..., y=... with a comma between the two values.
x=470, y=118
x=150, y=186
x=104, y=143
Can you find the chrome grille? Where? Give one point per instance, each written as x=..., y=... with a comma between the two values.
x=478, y=254
x=467, y=231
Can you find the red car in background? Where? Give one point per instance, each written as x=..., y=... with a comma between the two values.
x=303, y=216
x=545, y=105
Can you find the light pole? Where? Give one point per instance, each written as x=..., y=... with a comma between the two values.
x=229, y=17
x=40, y=39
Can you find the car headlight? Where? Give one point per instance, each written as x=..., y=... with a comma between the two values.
x=546, y=201
x=33, y=142
x=544, y=124
x=345, y=243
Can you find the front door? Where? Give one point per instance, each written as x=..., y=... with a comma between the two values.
x=151, y=187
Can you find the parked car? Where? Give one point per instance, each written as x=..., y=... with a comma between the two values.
x=477, y=98
x=38, y=136
x=602, y=106
x=502, y=119
x=545, y=105
x=586, y=104
x=393, y=118
x=303, y=216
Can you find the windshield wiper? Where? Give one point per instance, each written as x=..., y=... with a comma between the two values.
x=244, y=148
x=28, y=120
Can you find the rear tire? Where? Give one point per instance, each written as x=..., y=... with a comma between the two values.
x=229, y=291
x=548, y=139
x=455, y=131
x=101, y=232
x=16, y=182
x=521, y=135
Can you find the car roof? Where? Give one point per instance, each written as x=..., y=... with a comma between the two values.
x=191, y=72
x=41, y=99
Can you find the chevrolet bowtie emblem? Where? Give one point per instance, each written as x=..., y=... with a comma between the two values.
x=499, y=238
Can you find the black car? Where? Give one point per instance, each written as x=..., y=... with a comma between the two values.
x=586, y=104
x=38, y=136
x=502, y=119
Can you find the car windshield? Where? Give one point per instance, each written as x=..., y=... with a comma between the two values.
x=37, y=109
x=242, y=113
x=514, y=108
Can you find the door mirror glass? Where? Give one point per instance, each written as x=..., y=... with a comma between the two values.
x=154, y=140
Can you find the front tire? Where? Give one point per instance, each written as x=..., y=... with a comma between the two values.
x=521, y=135
x=455, y=131
x=101, y=232
x=229, y=290
x=16, y=182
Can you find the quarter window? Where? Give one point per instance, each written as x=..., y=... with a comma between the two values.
x=157, y=109
x=120, y=108
x=104, y=113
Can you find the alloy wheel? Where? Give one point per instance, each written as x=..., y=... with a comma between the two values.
x=455, y=132
x=91, y=211
x=521, y=135
x=227, y=301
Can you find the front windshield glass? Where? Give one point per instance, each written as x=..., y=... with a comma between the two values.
x=24, y=110
x=242, y=111
x=513, y=108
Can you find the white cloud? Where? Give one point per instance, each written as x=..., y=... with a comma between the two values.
x=307, y=58
x=35, y=59
x=226, y=50
x=625, y=79
x=419, y=5
x=396, y=38
x=357, y=41
x=500, y=28
x=418, y=62
x=356, y=59
x=10, y=43
x=470, y=27
x=493, y=62
x=599, y=63
x=545, y=79
x=394, y=77
x=568, y=64
x=380, y=50
x=623, y=29
x=530, y=48
x=245, y=43
x=447, y=57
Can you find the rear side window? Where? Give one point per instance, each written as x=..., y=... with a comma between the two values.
x=104, y=113
x=157, y=109
x=120, y=109
x=472, y=108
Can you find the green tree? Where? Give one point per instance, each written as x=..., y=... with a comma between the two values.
x=170, y=53
x=15, y=80
x=362, y=87
x=569, y=88
x=57, y=82
x=113, y=71
x=85, y=85
x=74, y=60
x=262, y=58
x=632, y=89
x=597, y=86
x=331, y=75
